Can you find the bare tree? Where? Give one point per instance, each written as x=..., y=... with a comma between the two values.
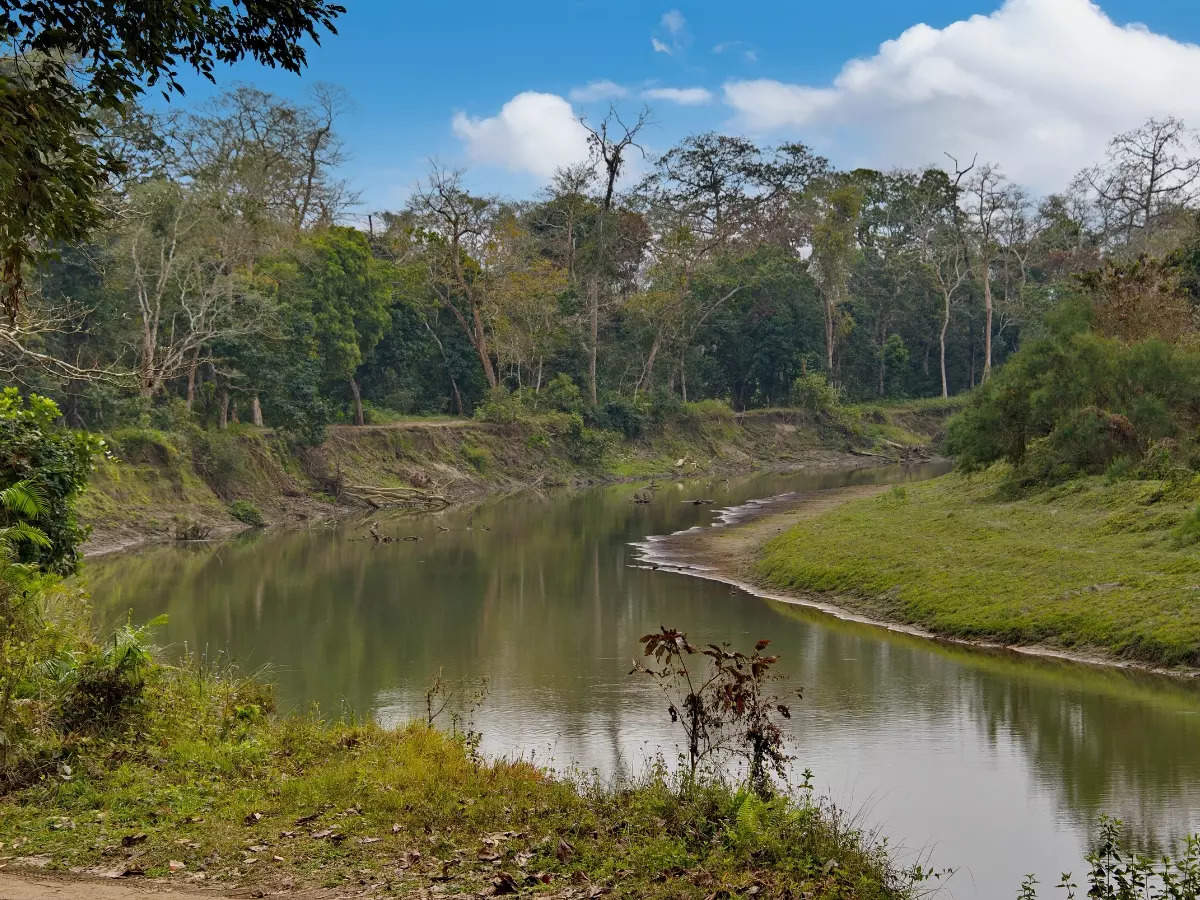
x=610, y=142
x=458, y=228
x=1148, y=173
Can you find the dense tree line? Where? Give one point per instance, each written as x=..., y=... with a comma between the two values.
x=223, y=283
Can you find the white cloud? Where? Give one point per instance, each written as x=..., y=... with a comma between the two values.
x=660, y=47
x=598, y=90
x=533, y=133
x=673, y=21
x=1038, y=86
x=693, y=96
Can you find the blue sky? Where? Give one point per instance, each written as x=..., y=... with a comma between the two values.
x=1034, y=82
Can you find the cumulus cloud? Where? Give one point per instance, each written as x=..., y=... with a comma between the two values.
x=693, y=96
x=1038, y=86
x=598, y=90
x=533, y=133
x=660, y=47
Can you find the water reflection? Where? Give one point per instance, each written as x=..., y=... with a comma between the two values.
x=1000, y=764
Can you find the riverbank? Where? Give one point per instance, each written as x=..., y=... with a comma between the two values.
x=156, y=486
x=202, y=788
x=1091, y=570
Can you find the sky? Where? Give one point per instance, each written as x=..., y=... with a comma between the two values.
x=497, y=89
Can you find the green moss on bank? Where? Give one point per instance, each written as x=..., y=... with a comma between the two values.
x=203, y=783
x=1090, y=566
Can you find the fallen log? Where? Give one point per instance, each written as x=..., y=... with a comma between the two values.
x=409, y=498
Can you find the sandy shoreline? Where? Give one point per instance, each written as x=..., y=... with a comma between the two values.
x=726, y=552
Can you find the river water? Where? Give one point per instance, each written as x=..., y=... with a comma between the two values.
x=988, y=762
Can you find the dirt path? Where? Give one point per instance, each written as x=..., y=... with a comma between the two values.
x=49, y=887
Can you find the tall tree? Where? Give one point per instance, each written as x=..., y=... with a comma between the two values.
x=834, y=245
x=52, y=167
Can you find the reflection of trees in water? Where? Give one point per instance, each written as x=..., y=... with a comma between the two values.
x=1098, y=740
x=538, y=596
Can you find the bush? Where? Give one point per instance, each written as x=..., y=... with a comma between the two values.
x=246, y=512
x=479, y=457
x=1057, y=395
x=55, y=461
x=1188, y=531
x=589, y=446
x=217, y=458
x=105, y=687
x=622, y=414
x=503, y=407
x=561, y=393
x=1087, y=442
x=814, y=393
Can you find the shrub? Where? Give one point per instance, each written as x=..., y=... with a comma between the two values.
x=813, y=392
x=561, y=393
x=503, y=407
x=1085, y=442
x=1188, y=531
x=589, y=446
x=479, y=457
x=1072, y=386
x=622, y=414
x=55, y=462
x=246, y=512
x=101, y=690
x=217, y=458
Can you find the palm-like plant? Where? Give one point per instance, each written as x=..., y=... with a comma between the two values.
x=22, y=501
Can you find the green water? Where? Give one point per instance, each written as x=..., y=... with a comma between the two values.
x=995, y=764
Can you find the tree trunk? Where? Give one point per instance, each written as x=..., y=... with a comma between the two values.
x=594, y=316
x=256, y=411
x=829, y=309
x=191, y=381
x=481, y=348
x=648, y=369
x=233, y=413
x=987, y=326
x=358, y=408
x=942, y=343
x=223, y=410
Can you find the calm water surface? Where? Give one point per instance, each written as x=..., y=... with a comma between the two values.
x=997, y=765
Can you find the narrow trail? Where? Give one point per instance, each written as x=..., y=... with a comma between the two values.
x=43, y=886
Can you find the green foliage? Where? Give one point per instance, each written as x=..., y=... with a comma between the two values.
x=561, y=393
x=480, y=458
x=1116, y=873
x=217, y=458
x=814, y=393
x=55, y=162
x=53, y=463
x=1076, y=402
x=101, y=688
x=246, y=512
x=503, y=407
x=1188, y=531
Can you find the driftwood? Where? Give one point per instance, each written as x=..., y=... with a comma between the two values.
x=409, y=498
x=386, y=538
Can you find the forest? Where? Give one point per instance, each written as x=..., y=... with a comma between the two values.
x=236, y=278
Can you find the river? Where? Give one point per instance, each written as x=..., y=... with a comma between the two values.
x=989, y=762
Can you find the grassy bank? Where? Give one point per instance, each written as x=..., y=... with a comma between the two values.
x=201, y=785
x=1091, y=566
x=155, y=482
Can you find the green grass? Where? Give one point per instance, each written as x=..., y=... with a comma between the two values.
x=1090, y=566
x=203, y=782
